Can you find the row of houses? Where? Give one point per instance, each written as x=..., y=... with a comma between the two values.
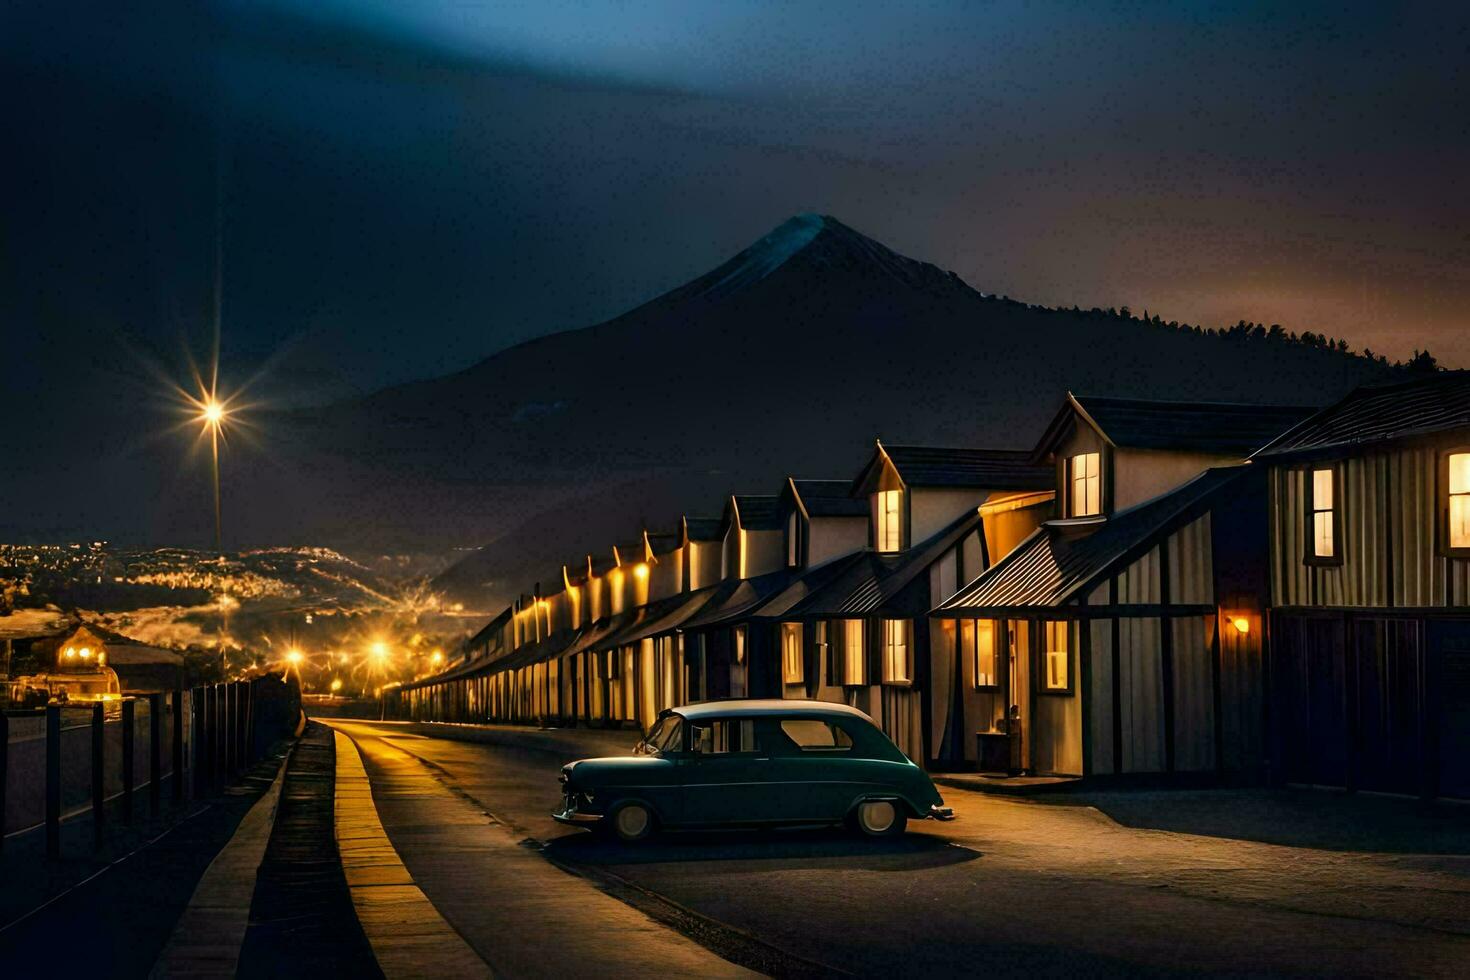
x=1224, y=590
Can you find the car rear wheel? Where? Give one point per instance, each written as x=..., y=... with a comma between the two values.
x=631, y=822
x=880, y=818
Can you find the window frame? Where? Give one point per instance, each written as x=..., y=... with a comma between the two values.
x=1044, y=655
x=906, y=626
x=1442, y=495
x=788, y=631
x=794, y=556
x=1069, y=464
x=972, y=654
x=1310, y=512
x=836, y=749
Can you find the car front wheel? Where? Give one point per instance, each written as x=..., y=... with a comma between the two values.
x=631, y=822
x=880, y=818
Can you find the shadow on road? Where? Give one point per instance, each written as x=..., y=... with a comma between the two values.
x=1327, y=820
x=824, y=848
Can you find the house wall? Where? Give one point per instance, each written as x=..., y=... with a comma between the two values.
x=667, y=577
x=1388, y=514
x=932, y=510
x=1143, y=474
x=704, y=563
x=830, y=538
x=765, y=552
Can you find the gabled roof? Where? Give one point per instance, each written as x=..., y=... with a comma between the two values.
x=630, y=552
x=660, y=616
x=1060, y=562
x=1227, y=428
x=932, y=466
x=737, y=599
x=827, y=498
x=1381, y=413
x=867, y=581
x=703, y=528
x=756, y=511
x=663, y=542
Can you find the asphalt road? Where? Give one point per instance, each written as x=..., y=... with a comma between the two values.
x=1010, y=886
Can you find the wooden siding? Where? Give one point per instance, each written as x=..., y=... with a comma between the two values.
x=1388, y=515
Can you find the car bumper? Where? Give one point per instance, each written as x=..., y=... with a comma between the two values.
x=941, y=813
x=570, y=815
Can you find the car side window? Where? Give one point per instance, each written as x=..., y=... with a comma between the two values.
x=725, y=736
x=816, y=735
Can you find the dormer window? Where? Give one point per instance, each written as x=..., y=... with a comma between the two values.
x=1084, y=485
x=888, y=532
x=1324, y=530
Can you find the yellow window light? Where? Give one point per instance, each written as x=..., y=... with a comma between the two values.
x=86, y=653
x=71, y=653
x=1241, y=624
x=640, y=570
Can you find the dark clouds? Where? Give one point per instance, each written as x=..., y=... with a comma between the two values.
x=408, y=187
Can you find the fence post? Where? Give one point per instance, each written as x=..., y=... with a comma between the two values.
x=99, y=783
x=53, y=781
x=201, y=757
x=155, y=751
x=177, y=748
x=4, y=771
x=129, y=720
x=232, y=735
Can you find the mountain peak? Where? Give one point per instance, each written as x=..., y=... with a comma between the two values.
x=820, y=243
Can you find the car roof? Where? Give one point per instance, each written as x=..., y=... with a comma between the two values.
x=754, y=707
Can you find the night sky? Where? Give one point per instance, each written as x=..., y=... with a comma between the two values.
x=400, y=189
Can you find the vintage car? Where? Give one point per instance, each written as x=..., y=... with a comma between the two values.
x=731, y=763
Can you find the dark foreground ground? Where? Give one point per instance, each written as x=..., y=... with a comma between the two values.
x=1110, y=884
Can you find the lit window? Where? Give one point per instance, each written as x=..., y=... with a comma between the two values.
x=896, y=651
x=854, y=663
x=890, y=521
x=739, y=644
x=1324, y=514
x=1459, y=492
x=1058, y=664
x=977, y=642
x=791, y=665
x=1085, y=474
x=793, y=540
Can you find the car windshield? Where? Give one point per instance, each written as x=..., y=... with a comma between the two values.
x=664, y=736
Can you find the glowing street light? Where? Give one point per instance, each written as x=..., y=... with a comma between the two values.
x=294, y=658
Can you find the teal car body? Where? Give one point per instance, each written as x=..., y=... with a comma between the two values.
x=731, y=763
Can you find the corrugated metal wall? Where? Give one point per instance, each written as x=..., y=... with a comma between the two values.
x=1389, y=514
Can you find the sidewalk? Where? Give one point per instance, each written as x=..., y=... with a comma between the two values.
x=522, y=915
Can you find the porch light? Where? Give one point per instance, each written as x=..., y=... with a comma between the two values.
x=1241, y=624
x=640, y=570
